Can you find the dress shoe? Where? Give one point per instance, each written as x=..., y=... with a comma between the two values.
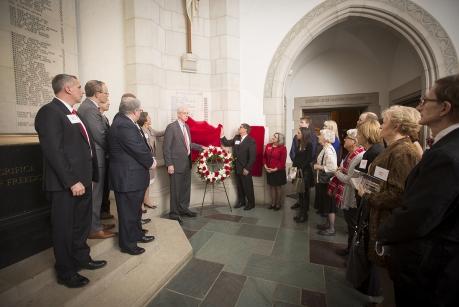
x=249, y=207
x=93, y=264
x=322, y=226
x=144, y=230
x=135, y=251
x=177, y=218
x=277, y=208
x=150, y=206
x=189, y=213
x=295, y=206
x=239, y=205
x=327, y=232
x=145, y=221
x=301, y=219
x=271, y=207
x=146, y=239
x=107, y=226
x=76, y=281
x=106, y=216
x=101, y=234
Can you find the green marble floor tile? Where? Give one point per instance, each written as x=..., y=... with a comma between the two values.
x=167, y=298
x=199, y=239
x=256, y=293
x=222, y=227
x=289, y=272
x=284, y=304
x=194, y=223
x=196, y=278
x=225, y=291
x=233, y=251
x=286, y=294
x=292, y=245
x=339, y=292
x=257, y=232
x=248, y=220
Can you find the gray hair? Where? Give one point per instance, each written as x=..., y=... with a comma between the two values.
x=59, y=81
x=182, y=108
x=280, y=138
x=329, y=135
x=351, y=134
x=129, y=105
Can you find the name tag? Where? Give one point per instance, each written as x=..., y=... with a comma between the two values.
x=237, y=142
x=74, y=119
x=363, y=164
x=381, y=173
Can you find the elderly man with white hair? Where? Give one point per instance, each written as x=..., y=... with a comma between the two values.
x=177, y=155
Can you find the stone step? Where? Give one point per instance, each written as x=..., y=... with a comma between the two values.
x=132, y=280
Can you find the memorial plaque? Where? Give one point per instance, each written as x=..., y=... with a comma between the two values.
x=34, y=35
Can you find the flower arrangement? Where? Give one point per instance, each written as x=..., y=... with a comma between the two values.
x=214, y=155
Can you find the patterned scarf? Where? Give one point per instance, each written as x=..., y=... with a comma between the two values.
x=335, y=186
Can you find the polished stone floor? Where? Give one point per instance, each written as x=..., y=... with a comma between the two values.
x=260, y=258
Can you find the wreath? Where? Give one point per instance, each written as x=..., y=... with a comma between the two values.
x=210, y=159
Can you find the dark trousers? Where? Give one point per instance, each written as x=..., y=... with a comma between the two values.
x=350, y=216
x=128, y=205
x=180, y=186
x=71, y=221
x=105, y=196
x=245, y=189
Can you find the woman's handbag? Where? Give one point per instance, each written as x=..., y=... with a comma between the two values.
x=292, y=172
x=299, y=182
x=325, y=177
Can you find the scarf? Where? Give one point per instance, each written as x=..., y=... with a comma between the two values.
x=335, y=186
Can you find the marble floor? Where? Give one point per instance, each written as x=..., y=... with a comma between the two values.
x=260, y=258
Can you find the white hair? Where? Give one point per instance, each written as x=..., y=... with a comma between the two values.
x=182, y=108
x=328, y=135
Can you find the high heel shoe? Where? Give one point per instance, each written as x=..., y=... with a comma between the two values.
x=149, y=206
x=271, y=207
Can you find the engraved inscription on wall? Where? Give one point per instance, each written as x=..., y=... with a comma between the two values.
x=37, y=52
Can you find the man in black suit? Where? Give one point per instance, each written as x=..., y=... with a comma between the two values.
x=130, y=161
x=423, y=235
x=244, y=151
x=69, y=167
x=177, y=156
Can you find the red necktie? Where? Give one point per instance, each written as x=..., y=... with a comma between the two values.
x=82, y=127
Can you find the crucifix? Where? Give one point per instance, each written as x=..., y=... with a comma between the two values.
x=189, y=60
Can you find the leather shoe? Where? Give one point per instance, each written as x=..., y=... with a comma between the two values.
x=177, y=218
x=106, y=216
x=101, y=234
x=239, y=205
x=249, y=207
x=93, y=264
x=107, y=226
x=146, y=239
x=75, y=281
x=145, y=221
x=189, y=213
x=135, y=251
x=144, y=230
x=295, y=206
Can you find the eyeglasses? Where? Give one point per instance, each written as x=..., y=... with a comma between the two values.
x=423, y=100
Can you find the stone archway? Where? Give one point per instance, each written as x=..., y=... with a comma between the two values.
x=420, y=29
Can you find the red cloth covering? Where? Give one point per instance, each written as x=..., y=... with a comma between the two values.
x=204, y=134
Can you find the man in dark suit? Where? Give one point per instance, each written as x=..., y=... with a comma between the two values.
x=89, y=110
x=244, y=151
x=177, y=156
x=130, y=161
x=69, y=167
x=423, y=235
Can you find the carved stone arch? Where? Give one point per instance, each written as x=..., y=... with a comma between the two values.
x=431, y=42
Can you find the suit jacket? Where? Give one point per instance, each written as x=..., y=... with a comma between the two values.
x=66, y=153
x=97, y=126
x=245, y=152
x=130, y=156
x=174, y=148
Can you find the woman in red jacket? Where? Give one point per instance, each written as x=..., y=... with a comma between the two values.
x=274, y=162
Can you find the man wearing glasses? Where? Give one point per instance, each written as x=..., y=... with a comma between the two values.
x=423, y=234
x=91, y=111
x=130, y=161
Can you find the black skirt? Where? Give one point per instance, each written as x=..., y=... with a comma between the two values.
x=277, y=178
x=324, y=203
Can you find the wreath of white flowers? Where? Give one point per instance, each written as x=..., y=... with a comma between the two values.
x=215, y=154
